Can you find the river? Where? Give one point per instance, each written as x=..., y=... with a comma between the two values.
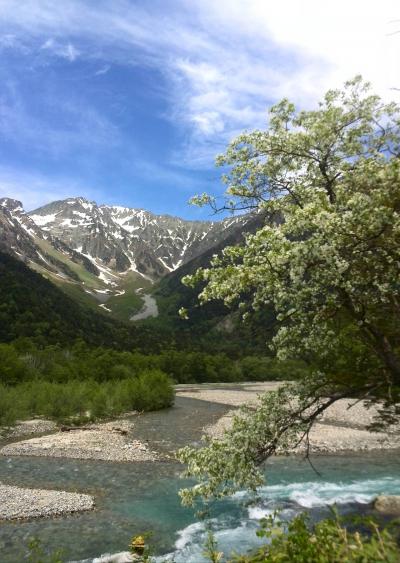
x=133, y=498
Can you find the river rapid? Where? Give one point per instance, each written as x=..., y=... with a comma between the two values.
x=133, y=498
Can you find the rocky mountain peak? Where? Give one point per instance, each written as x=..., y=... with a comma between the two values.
x=11, y=204
x=121, y=238
x=108, y=252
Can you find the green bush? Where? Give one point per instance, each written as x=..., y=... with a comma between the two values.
x=258, y=368
x=328, y=541
x=22, y=361
x=12, y=368
x=83, y=400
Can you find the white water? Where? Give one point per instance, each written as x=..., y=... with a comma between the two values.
x=190, y=544
x=239, y=534
x=134, y=498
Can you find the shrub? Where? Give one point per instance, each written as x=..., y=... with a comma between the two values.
x=77, y=401
x=328, y=541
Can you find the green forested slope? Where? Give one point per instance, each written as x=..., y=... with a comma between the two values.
x=212, y=325
x=33, y=307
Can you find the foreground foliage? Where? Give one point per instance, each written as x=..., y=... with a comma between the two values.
x=327, y=541
x=37, y=553
x=328, y=262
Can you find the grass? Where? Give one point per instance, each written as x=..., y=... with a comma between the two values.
x=89, y=279
x=122, y=306
x=126, y=305
x=77, y=293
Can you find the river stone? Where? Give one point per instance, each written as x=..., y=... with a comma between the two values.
x=388, y=504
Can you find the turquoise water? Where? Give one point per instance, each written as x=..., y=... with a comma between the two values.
x=133, y=498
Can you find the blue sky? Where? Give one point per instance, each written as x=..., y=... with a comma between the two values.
x=128, y=102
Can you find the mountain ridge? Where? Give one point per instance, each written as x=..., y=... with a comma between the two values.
x=123, y=237
x=107, y=255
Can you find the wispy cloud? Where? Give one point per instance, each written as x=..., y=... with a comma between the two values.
x=102, y=70
x=9, y=41
x=223, y=62
x=86, y=127
x=63, y=50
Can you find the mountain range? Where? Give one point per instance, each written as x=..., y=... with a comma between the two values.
x=107, y=256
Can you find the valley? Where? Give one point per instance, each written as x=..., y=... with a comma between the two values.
x=215, y=391
x=102, y=255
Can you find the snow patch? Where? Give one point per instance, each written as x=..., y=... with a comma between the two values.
x=43, y=219
x=119, y=292
x=166, y=265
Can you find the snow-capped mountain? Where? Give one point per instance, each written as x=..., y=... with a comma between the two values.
x=18, y=232
x=22, y=237
x=117, y=239
x=106, y=256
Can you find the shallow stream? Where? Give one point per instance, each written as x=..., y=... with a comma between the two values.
x=133, y=498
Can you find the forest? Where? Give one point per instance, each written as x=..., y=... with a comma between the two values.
x=61, y=360
x=86, y=383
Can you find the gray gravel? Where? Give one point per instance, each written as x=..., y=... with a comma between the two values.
x=17, y=503
x=342, y=427
x=28, y=427
x=111, y=441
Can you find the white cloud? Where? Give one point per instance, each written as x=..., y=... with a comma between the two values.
x=225, y=61
x=102, y=70
x=65, y=51
x=347, y=37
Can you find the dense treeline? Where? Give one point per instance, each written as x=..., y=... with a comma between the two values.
x=21, y=361
x=76, y=384
x=80, y=383
x=33, y=307
x=212, y=326
x=76, y=402
x=61, y=360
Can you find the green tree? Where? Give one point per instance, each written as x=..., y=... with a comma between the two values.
x=327, y=262
x=12, y=369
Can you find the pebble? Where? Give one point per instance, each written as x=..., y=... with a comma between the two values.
x=96, y=441
x=18, y=503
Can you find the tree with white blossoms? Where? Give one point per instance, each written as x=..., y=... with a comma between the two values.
x=327, y=261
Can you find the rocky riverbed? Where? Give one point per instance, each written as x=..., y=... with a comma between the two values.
x=28, y=428
x=343, y=426
x=110, y=441
x=135, y=496
x=18, y=503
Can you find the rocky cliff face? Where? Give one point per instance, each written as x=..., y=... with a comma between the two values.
x=121, y=238
x=23, y=238
x=107, y=241
x=18, y=232
x=107, y=254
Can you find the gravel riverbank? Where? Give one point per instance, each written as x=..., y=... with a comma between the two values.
x=18, y=503
x=110, y=441
x=341, y=429
x=28, y=428
x=343, y=426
